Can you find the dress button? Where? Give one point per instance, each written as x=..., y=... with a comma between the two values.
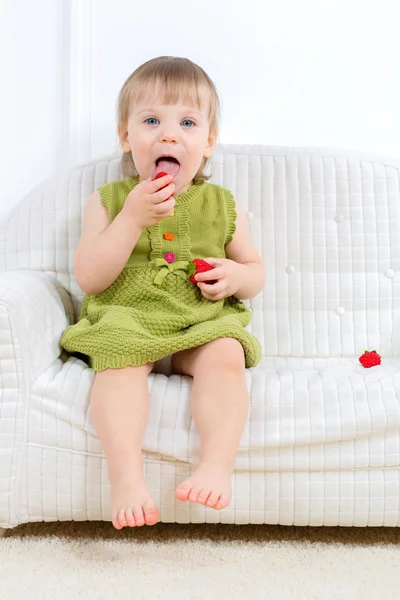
x=169, y=236
x=170, y=257
x=290, y=269
x=339, y=218
x=389, y=273
x=340, y=310
x=249, y=216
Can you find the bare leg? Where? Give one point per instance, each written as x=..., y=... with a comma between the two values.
x=120, y=409
x=220, y=405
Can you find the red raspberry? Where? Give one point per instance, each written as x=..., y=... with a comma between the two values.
x=199, y=266
x=370, y=359
x=162, y=174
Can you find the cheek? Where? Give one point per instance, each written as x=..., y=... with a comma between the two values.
x=196, y=146
x=140, y=148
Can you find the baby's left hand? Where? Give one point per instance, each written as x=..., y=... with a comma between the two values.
x=227, y=274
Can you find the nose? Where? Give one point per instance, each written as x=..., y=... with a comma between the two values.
x=169, y=135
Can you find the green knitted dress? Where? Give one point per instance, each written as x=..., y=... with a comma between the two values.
x=151, y=310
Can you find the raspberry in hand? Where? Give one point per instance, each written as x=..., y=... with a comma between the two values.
x=199, y=266
x=162, y=174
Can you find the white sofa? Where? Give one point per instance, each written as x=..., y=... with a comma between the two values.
x=321, y=445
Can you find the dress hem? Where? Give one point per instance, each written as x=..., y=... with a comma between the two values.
x=249, y=343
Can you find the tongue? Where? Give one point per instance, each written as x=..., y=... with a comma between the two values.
x=170, y=167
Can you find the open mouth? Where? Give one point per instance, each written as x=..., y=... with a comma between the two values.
x=167, y=164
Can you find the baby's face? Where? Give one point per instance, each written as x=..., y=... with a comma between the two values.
x=177, y=130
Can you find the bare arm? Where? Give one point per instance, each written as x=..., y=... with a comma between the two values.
x=104, y=248
x=241, y=274
x=242, y=251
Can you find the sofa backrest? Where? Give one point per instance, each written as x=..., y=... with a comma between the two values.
x=326, y=223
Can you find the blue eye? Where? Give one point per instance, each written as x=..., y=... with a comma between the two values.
x=154, y=121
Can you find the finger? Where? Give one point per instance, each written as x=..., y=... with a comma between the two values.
x=206, y=296
x=220, y=296
x=213, y=290
x=163, y=194
x=213, y=298
x=162, y=216
x=153, y=185
x=158, y=184
x=209, y=275
x=163, y=209
x=214, y=262
x=210, y=288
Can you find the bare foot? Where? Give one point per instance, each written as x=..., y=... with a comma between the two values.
x=210, y=484
x=131, y=503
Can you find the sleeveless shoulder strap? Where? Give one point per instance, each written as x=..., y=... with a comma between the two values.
x=230, y=207
x=113, y=195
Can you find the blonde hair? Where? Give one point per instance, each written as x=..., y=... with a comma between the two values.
x=179, y=79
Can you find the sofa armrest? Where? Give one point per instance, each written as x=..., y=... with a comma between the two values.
x=34, y=311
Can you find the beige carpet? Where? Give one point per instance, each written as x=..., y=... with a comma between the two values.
x=88, y=560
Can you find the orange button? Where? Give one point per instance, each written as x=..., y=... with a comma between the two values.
x=169, y=236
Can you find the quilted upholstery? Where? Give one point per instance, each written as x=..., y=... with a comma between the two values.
x=321, y=445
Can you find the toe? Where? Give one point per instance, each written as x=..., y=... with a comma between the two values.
x=183, y=490
x=122, y=518
x=223, y=502
x=212, y=499
x=194, y=493
x=139, y=517
x=116, y=524
x=130, y=518
x=203, y=496
x=151, y=514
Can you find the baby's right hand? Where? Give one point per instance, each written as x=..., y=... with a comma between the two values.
x=147, y=204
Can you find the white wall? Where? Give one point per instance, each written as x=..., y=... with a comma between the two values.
x=289, y=72
x=30, y=96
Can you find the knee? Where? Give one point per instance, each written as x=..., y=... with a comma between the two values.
x=224, y=354
x=125, y=373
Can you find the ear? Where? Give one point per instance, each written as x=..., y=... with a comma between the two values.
x=211, y=142
x=123, y=138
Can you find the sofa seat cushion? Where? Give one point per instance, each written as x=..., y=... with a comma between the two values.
x=306, y=414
